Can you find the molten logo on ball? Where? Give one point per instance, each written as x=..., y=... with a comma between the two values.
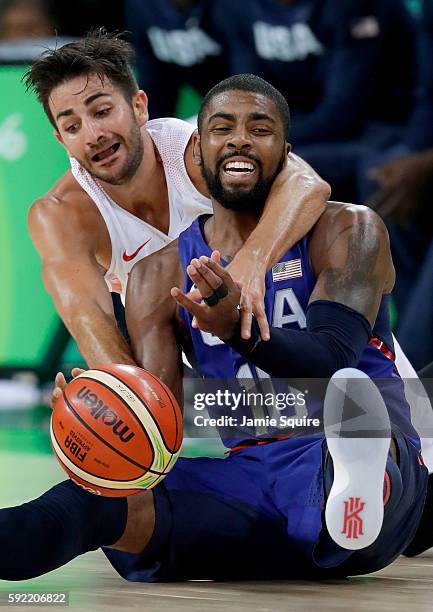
x=99, y=410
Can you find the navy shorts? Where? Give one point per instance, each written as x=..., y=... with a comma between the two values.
x=258, y=514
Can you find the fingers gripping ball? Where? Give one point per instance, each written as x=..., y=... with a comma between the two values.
x=116, y=430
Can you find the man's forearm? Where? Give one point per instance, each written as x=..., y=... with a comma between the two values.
x=99, y=339
x=289, y=214
x=335, y=338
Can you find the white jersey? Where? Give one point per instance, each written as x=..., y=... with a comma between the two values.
x=131, y=238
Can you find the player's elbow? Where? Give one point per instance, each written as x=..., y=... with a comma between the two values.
x=336, y=355
x=317, y=192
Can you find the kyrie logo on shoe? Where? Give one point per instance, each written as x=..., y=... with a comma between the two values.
x=127, y=257
x=352, y=522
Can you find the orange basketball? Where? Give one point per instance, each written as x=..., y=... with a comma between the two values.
x=117, y=430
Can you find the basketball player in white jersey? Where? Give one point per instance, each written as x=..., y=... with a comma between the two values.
x=133, y=188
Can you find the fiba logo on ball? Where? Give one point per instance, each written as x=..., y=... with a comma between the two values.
x=116, y=430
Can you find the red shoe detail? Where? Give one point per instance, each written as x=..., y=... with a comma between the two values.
x=352, y=522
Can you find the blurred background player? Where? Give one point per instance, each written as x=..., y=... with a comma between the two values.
x=22, y=20
x=75, y=20
x=398, y=182
x=174, y=46
x=335, y=62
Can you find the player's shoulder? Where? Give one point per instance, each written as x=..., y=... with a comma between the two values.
x=340, y=218
x=337, y=213
x=174, y=141
x=65, y=202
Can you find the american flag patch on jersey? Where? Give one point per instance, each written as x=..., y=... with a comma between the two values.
x=287, y=269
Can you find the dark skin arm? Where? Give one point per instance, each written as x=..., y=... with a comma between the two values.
x=151, y=316
x=350, y=256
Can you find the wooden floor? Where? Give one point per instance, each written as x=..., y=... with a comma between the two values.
x=93, y=585
x=406, y=586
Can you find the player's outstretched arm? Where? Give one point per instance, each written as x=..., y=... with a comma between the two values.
x=151, y=316
x=74, y=279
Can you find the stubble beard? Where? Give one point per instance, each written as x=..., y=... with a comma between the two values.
x=127, y=171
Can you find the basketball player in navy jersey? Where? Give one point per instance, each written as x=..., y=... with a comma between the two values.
x=258, y=513
x=328, y=303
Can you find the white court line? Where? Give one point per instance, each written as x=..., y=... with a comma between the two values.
x=238, y=593
x=420, y=579
x=183, y=596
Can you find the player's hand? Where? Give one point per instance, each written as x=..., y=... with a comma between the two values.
x=251, y=281
x=222, y=318
x=60, y=384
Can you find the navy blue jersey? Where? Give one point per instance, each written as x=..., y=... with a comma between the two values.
x=288, y=288
x=339, y=62
x=173, y=46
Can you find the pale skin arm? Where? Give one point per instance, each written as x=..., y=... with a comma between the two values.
x=295, y=203
x=74, y=279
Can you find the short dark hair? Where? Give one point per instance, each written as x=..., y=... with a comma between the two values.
x=99, y=52
x=250, y=83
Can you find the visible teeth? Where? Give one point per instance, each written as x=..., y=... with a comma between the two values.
x=239, y=165
x=106, y=152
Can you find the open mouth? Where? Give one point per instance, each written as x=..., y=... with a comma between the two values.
x=239, y=168
x=106, y=152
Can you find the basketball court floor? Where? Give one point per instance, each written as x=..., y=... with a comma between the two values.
x=27, y=468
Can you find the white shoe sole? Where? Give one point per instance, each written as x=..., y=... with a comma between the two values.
x=358, y=434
